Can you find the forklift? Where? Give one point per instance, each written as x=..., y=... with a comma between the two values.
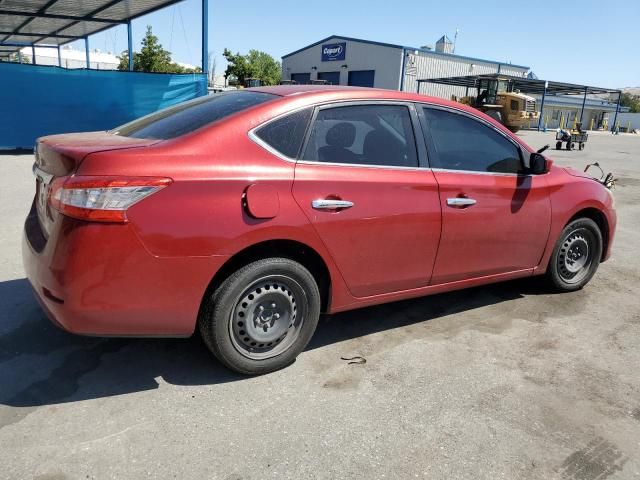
x=497, y=98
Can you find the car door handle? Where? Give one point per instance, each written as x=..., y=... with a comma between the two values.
x=460, y=202
x=326, y=204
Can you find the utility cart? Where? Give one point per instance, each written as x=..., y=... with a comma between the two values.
x=571, y=138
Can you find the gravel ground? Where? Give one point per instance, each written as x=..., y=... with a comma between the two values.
x=505, y=381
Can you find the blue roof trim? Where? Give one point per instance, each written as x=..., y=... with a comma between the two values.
x=391, y=45
x=351, y=39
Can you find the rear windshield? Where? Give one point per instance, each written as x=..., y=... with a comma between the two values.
x=189, y=116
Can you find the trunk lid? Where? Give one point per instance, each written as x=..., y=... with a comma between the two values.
x=60, y=156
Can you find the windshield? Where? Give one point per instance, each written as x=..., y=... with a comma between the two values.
x=186, y=117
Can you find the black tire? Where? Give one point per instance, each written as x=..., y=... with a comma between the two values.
x=581, y=146
x=576, y=255
x=266, y=342
x=570, y=145
x=558, y=145
x=514, y=129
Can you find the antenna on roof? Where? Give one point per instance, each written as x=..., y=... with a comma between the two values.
x=455, y=39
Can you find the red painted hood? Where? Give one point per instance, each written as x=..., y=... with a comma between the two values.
x=578, y=173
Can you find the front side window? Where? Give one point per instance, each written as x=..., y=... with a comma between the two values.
x=286, y=133
x=463, y=143
x=363, y=135
x=186, y=117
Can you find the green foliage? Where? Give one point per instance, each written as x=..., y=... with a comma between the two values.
x=631, y=101
x=15, y=58
x=153, y=58
x=255, y=64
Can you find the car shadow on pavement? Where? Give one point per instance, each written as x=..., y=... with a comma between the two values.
x=43, y=365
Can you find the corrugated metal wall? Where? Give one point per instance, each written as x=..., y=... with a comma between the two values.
x=424, y=65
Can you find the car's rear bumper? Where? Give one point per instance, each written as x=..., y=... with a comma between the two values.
x=99, y=279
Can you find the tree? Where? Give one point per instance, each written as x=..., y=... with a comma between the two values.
x=264, y=67
x=152, y=58
x=631, y=101
x=255, y=64
x=19, y=58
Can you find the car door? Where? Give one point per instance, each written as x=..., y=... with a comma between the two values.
x=495, y=217
x=360, y=182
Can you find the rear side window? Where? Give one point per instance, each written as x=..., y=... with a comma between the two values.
x=462, y=143
x=189, y=116
x=363, y=135
x=286, y=133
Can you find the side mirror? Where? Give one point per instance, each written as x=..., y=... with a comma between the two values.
x=538, y=164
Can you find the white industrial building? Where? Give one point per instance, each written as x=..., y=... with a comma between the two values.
x=71, y=58
x=352, y=61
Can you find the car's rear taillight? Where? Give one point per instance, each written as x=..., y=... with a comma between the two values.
x=102, y=199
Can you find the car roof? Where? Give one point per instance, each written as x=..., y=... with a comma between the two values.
x=341, y=92
x=337, y=92
x=288, y=90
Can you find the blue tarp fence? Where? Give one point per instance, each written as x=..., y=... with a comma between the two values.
x=43, y=100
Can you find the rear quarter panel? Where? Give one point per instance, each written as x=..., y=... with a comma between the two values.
x=201, y=214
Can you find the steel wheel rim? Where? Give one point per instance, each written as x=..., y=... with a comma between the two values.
x=267, y=317
x=576, y=256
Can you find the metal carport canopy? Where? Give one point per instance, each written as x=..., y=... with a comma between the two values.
x=524, y=84
x=532, y=86
x=57, y=22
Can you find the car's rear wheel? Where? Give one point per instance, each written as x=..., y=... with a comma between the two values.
x=576, y=255
x=261, y=317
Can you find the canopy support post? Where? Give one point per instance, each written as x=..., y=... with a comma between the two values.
x=59, y=57
x=33, y=54
x=544, y=95
x=615, y=118
x=205, y=38
x=584, y=101
x=86, y=51
x=130, y=45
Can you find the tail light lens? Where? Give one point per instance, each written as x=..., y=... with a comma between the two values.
x=102, y=199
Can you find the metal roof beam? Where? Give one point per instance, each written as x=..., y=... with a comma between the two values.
x=40, y=34
x=72, y=18
x=24, y=44
x=30, y=19
x=90, y=15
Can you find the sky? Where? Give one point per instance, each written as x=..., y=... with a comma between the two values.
x=593, y=43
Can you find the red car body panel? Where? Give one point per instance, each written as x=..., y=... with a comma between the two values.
x=149, y=276
x=506, y=231
x=394, y=231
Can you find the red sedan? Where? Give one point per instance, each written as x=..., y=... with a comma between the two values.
x=247, y=214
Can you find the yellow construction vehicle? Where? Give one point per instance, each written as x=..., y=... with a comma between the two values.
x=497, y=98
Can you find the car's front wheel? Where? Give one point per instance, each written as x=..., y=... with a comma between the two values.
x=576, y=255
x=260, y=318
